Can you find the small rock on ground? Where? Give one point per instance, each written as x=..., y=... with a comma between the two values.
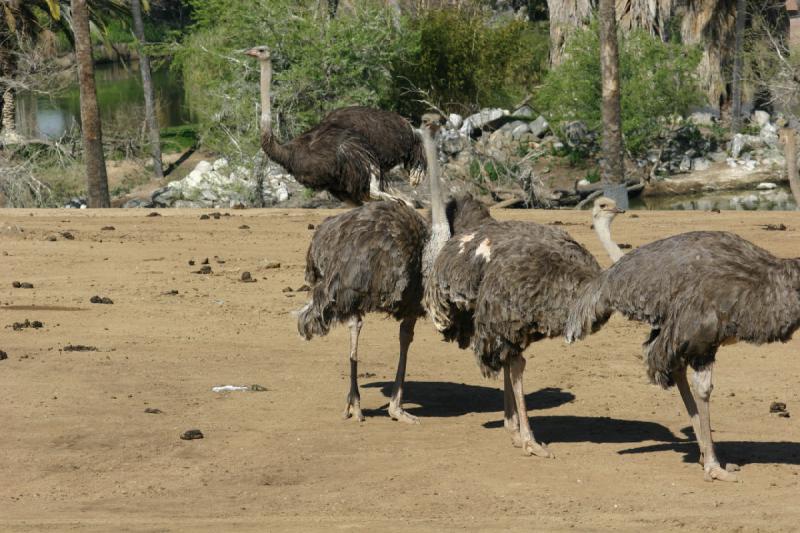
x=3, y=355
x=22, y=285
x=101, y=300
x=35, y=324
x=79, y=348
x=192, y=434
x=247, y=277
x=153, y=411
x=777, y=407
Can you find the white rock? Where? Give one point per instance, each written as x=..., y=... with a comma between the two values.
x=761, y=118
x=702, y=118
x=539, y=126
x=583, y=182
x=766, y=186
x=518, y=130
x=479, y=120
x=282, y=193
x=203, y=166
x=455, y=120
x=220, y=163
x=700, y=163
x=769, y=134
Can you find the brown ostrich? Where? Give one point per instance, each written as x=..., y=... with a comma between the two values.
x=712, y=288
x=348, y=152
x=500, y=286
x=375, y=259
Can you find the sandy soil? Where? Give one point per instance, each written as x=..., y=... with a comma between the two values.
x=79, y=453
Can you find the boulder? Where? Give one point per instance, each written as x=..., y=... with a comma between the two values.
x=480, y=119
x=741, y=142
x=454, y=121
x=523, y=111
x=539, y=127
x=766, y=186
x=769, y=134
x=451, y=142
x=761, y=118
x=702, y=118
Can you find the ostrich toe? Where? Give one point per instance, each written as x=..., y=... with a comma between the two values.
x=715, y=471
x=353, y=408
x=397, y=413
x=531, y=447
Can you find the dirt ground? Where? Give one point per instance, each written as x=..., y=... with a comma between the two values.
x=78, y=452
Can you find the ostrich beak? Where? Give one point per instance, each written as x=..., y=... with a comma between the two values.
x=617, y=211
x=252, y=52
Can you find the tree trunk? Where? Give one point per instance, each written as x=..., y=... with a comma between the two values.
x=91, y=129
x=333, y=6
x=738, y=60
x=9, y=123
x=790, y=152
x=149, y=94
x=612, y=169
x=565, y=16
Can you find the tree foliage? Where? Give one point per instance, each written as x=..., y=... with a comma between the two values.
x=657, y=80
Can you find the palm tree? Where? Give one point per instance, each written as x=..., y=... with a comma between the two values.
x=91, y=129
x=22, y=20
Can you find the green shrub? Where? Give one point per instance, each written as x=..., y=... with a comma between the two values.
x=657, y=80
x=463, y=60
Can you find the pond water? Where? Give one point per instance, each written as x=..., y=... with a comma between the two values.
x=120, y=98
x=779, y=199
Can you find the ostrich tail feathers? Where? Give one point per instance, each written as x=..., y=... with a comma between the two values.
x=588, y=313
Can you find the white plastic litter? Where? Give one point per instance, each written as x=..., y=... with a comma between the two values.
x=229, y=388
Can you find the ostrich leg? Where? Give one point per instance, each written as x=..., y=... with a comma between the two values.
x=396, y=403
x=511, y=420
x=529, y=444
x=691, y=407
x=702, y=392
x=353, y=406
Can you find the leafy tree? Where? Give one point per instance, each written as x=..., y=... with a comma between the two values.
x=657, y=80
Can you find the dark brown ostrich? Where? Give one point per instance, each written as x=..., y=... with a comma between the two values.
x=710, y=289
x=503, y=285
x=375, y=258
x=348, y=152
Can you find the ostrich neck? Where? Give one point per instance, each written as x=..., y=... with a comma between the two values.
x=602, y=227
x=269, y=144
x=440, y=229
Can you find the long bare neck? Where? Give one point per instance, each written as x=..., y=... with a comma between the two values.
x=440, y=229
x=602, y=227
x=269, y=144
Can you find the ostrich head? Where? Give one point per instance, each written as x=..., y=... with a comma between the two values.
x=261, y=53
x=603, y=213
x=432, y=121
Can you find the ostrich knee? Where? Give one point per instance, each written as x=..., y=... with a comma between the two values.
x=703, y=385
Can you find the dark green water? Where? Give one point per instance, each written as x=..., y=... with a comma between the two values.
x=121, y=101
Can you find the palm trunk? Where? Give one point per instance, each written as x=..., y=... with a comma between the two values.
x=611, y=163
x=9, y=124
x=91, y=129
x=790, y=152
x=736, y=89
x=149, y=94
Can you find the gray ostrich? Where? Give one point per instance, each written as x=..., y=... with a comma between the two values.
x=348, y=152
x=500, y=286
x=376, y=258
x=711, y=289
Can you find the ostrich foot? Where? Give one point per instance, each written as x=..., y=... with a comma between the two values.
x=531, y=447
x=715, y=471
x=397, y=413
x=353, y=408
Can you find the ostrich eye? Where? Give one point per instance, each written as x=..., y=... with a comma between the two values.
x=603, y=206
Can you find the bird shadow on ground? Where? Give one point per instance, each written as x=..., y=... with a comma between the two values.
x=739, y=452
x=599, y=429
x=445, y=399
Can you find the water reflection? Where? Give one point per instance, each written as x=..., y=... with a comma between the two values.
x=778, y=199
x=120, y=98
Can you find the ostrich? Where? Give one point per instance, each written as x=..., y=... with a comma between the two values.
x=376, y=258
x=348, y=152
x=712, y=288
x=503, y=285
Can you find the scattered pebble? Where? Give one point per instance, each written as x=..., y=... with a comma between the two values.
x=715, y=210
x=35, y=324
x=3, y=355
x=107, y=228
x=774, y=227
x=247, y=277
x=204, y=261
x=101, y=300
x=625, y=246
x=153, y=411
x=777, y=407
x=367, y=375
x=67, y=235
x=784, y=414
x=204, y=217
x=173, y=292
x=303, y=288
x=287, y=289
x=52, y=238
x=311, y=226
x=205, y=269
x=192, y=434
x=22, y=285
x=191, y=262
x=79, y=348
x=634, y=216
x=258, y=388
x=244, y=226
x=154, y=214
x=272, y=264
